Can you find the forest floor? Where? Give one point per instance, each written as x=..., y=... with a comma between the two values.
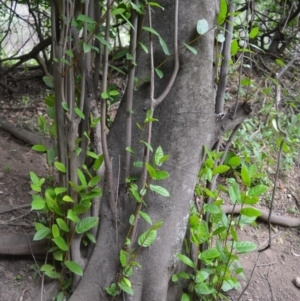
x=271, y=280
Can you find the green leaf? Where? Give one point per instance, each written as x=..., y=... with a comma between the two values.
x=159, y=73
x=59, y=190
x=82, y=178
x=209, y=254
x=161, y=175
x=146, y=217
x=39, y=148
x=42, y=233
x=72, y=216
x=223, y=12
x=60, y=167
x=94, y=181
x=151, y=171
x=246, y=176
x=160, y=190
x=61, y=243
x=212, y=208
x=157, y=225
x=123, y=258
x=164, y=46
x=48, y=81
x=125, y=288
x=85, y=18
x=55, y=231
x=34, y=178
x=144, y=47
x=234, y=47
x=280, y=62
x=159, y=153
x=186, y=260
x=65, y=106
x=245, y=246
x=148, y=145
x=185, y=297
x=151, y=30
x=190, y=48
x=62, y=225
x=74, y=267
x=250, y=211
x=47, y=267
x=257, y=190
x=38, y=203
x=79, y=113
x=135, y=194
x=220, y=169
x=52, y=274
x=147, y=238
x=91, y=237
x=86, y=224
x=202, y=26
x=254, y=32
x=203, y=289
x=68, y=199
x=234, y=161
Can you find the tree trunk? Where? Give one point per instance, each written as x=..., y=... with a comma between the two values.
x=186, y=123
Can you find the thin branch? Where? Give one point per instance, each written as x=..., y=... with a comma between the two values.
x=220, y=98
x=176, y=65
x=107, y=161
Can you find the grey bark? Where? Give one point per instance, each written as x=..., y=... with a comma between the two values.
x=186, y=123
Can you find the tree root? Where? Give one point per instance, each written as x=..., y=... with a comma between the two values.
x=15, y=244
x=284, y=221
x=24, y=135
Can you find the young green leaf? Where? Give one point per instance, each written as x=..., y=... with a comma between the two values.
x=62, y=224
x=246, y=176
x=190, y=48
x=74, y=267
x=61, y=243
x=39, y=148
x=72, y=216
x=159, y=73
x=86, y=224
x=223, y=12
x=209, y=254
x=60, y=167
x=38, y=203
x=79, y=113
x=254, y=32
x=125, y=288
x=147, y=238
x=94, y=181
x=257, y=190
x=250, y=211
x=47, y=267
x=159, y=153
x=82, y=178
x=220, y=169
x=85, y=18
x=186, y=260
x=52, y=274
x=245, y=246
x=123, y=258
x=91, y=237
x=146, y=217
x=59, y=190
x=55, y=231
x=42, y=233
x=160, y=190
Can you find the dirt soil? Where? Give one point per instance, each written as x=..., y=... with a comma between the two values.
x=276, y=268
